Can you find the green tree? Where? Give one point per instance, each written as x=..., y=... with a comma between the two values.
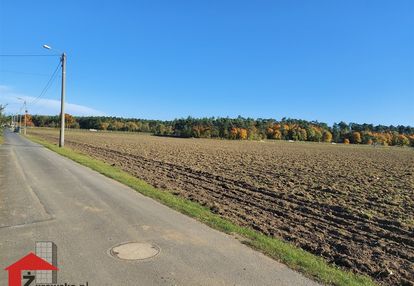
x=311, y=133
x=336, y=132
x=160, y=129
x=3, y=118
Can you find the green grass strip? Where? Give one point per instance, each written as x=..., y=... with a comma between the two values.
x=1, y=136
x=296, y=258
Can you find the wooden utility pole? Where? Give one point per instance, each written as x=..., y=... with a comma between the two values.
x=25, y=117
x=62, y=103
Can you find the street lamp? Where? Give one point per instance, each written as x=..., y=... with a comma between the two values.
x=62, y=98
x=25, y=116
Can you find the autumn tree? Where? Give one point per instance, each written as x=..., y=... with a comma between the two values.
x=116, y=126
x=29, y=120
x=253, y=134
x=318, y=135
x=69, y=120
x=242, y=134
x=277, y=134
x=356, y=137
x=104, y=125
x=367, y=137
x=327, y=136
x=284, y=129
x=402, y=140
x=233, y=133
x=303, y=135
x=131, y=126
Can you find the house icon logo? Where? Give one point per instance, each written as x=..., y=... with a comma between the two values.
x=43, y=263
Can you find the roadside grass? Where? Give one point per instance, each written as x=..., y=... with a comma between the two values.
x=296, y=258
x=1, y=136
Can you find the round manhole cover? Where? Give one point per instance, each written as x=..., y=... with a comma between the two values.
x=135, y=250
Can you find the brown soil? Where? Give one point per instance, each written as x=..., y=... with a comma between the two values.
x=352, y=205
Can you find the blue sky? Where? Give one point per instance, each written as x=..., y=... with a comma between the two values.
x=331, y=60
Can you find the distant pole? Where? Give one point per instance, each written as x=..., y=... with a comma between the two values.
x=62, y=103
x=20, y=115
x=25, y=117
x=20, y=122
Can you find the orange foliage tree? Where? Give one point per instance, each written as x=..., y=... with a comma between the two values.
x=69, y=120
x=356, y=137
x=327, y=136
x=29, y=121
x=238, y=133
x=242, y=133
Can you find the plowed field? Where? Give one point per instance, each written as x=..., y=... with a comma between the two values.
x=352, y=205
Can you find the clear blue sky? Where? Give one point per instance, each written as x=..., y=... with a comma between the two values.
x=331, y=60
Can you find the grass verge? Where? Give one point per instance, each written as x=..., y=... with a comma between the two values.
x=295, y=258
x=1, y=136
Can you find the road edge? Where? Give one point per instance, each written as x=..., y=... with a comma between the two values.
x=295, y=258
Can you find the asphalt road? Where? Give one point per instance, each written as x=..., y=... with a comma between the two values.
x=46, y=197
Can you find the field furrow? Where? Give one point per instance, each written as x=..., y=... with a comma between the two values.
x=352, y=205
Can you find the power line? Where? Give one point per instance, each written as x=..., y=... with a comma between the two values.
x=19, y=72
x=23, y=55
x=47, y=86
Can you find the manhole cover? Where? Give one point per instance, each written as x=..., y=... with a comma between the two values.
x=135, y=250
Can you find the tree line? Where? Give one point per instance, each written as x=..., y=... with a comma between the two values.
x=241, y=128
x=3, y=118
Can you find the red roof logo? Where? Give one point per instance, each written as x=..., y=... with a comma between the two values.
x=29, y=262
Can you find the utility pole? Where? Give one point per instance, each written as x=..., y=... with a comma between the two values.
x=62, y=103
x=20, y=122
x=25, y=110
x=25, y=117
x=62, y=98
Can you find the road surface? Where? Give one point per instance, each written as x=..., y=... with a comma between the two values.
x=46, y=197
